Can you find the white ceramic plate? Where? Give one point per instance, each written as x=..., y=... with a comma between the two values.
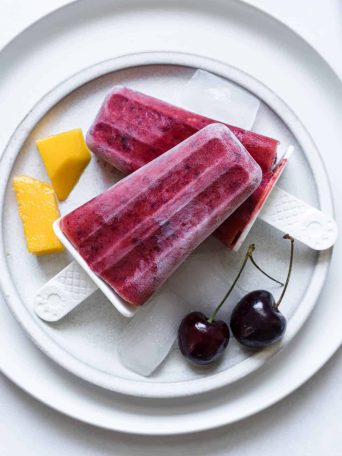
x=85, y=342
x=228, y=15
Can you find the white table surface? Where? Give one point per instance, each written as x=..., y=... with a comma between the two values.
x=306, y=423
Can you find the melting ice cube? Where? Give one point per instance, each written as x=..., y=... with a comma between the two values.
x=220, y=99
x=148, y=337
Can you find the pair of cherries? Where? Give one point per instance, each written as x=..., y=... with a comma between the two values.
x=255, y=322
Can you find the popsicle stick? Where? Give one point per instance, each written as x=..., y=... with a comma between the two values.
x=305, y=223
x=63, y=293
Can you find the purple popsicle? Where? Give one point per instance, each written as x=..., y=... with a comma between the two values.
x=135, y=234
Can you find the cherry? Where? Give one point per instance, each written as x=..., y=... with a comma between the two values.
x=203, y=340
x=200, y=340
x=256, y=321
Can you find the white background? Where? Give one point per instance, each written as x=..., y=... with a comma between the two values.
x=306, y=423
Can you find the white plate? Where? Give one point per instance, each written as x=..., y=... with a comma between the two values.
x=85, y=341
x=313, y=87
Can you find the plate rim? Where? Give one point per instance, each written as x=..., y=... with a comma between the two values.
x=165, y=389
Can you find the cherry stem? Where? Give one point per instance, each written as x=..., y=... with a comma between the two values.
x=290, y=238
x=263, y=272
x=249, y=253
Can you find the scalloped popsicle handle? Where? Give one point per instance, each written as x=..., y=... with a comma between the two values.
x=63, y=293
x=302, y=221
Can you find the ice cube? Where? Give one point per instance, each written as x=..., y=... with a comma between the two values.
x=148, y=337
x=220, y=99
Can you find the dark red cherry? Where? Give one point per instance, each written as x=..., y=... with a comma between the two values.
x=200, y=340
x=256, y=321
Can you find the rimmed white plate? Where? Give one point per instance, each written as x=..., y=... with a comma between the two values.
x=86, y=345
x=238, y=18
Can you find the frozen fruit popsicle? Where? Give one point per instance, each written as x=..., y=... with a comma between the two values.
x=135, y=234
x=132, y=129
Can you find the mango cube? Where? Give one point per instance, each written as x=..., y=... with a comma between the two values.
x=38, y=210
x=65, y=157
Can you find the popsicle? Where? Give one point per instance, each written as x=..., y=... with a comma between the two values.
x=135, y=234
x=132, y=129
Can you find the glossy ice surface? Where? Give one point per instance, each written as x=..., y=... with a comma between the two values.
x=139, y=231
x=132, y=128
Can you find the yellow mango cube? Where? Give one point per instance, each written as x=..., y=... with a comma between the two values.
x=38, y=210
x=65, y=157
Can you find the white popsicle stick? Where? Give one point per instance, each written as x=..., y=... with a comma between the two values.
x=63, y=293
x=305, y=223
